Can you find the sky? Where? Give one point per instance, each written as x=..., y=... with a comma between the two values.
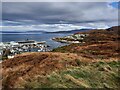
x=58, y=16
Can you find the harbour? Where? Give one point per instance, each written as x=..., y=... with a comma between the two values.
x=10, y=49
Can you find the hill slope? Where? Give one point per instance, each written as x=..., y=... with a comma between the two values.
x=98, y=44
x=41, y=70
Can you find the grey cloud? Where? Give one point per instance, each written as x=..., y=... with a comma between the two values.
x=81, y=13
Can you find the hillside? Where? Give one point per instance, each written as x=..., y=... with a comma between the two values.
x=60, y=70
x=92, y=64
x=71, y=31
x=97, y=44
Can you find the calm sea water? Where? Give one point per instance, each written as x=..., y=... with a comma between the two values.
x=7, y=37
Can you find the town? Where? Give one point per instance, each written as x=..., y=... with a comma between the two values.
x=10, y=49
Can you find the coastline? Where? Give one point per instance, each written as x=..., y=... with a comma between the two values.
x=10, y=49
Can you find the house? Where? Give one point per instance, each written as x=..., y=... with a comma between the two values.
x=9, y=56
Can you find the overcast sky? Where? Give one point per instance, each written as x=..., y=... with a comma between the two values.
x=58, y=16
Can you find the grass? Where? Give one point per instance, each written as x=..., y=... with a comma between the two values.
x=83, y=76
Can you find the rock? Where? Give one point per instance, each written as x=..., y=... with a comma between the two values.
x=106, y=85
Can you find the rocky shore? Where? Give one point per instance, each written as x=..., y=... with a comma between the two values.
x=75, y=38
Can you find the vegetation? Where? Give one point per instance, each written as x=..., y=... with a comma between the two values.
x=98, y=44
x=97, y=75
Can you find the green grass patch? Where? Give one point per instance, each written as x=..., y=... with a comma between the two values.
x=88, y=74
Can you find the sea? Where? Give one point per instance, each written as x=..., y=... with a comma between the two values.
x=8, y=37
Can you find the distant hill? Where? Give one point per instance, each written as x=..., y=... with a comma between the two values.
x=10, y=32
x=71, y=31
x=34, y=31
x=115, y=28
x=22, y=31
